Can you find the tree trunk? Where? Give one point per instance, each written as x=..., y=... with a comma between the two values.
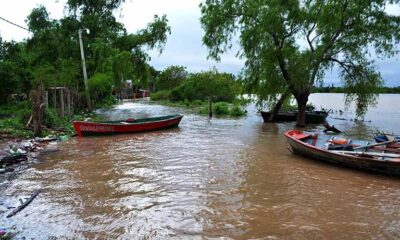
x=278, y=106
x=302, y=100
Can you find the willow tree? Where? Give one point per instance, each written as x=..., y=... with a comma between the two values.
x=291, y=44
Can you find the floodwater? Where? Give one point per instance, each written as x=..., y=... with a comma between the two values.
x=224, y=178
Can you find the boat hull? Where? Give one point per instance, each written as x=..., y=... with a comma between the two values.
x=142, y=125
x=311, y=117
x=370, y=164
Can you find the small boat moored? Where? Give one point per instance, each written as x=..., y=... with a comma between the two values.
x=83, y=128
x=373, y=158
x=291, y=116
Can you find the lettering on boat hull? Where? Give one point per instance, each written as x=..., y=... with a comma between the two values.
x=97, y=128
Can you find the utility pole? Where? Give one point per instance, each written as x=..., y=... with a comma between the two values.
x=85, y=80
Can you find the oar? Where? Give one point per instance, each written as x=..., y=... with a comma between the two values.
x=375, y=144
x=374, y=154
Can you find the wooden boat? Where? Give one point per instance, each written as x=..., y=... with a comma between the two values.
x=291, y=116
x=126, y=126
x=374, y=159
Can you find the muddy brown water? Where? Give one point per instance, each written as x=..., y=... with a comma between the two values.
x=232, y=178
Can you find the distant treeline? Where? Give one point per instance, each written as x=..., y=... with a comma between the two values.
x=333, y=89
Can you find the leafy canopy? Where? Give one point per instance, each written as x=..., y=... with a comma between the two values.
x=171, y=77
x=289, y=45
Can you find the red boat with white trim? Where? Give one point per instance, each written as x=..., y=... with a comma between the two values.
x=83, y=128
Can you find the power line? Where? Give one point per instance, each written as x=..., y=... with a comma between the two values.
x=14, y=24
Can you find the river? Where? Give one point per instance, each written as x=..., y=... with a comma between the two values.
x=232, y=178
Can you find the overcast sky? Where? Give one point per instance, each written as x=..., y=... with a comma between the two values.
x=184, y=46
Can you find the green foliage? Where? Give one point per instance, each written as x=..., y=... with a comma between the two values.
x=171, y=78
x=236, y=111
x=160, y=95
x=52, y=119
x=17, y=115
x=204, y=85
x=38, y=20
x=333, y=89
x=100, y=86
x=15, y=76
x=51, y=56
x=336, y=33
x=220, y=108
x=223, y=109
x=7, y=83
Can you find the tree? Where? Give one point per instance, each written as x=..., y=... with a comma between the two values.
x=208, y=85
x=110, y=51
x=290, y=44
x=171, y=77
x=14, y=74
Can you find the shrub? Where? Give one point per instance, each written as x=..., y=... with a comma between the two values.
x=204, y=110
x=236, y=111
x=100, y=86
x=221, y=108
x=201, y=86
x=198, y=102
x=160, y=95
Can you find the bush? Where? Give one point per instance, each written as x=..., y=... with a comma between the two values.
x=199, y=86
x=100, y=86
x=221, y=108
x=204, y=110
x=198, y=102
x=236, y=111
x=51, y=118
x=177, y=94
x=160, y=95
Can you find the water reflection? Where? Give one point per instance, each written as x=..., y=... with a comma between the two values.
x=221, y=178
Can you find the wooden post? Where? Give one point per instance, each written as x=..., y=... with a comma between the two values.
x=62, y=101
x=46, y=99
x=55, y=98
x=72, y=105
x=68, y=102
x=37, y=124
x=209, y=108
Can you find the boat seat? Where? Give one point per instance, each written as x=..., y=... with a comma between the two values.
x=301, y=135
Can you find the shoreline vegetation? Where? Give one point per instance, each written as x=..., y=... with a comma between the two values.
x=333, y=89
x=219, y=109
x=15, y=118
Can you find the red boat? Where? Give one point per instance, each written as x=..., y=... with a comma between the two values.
x=126, y=126
x=376, y=159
